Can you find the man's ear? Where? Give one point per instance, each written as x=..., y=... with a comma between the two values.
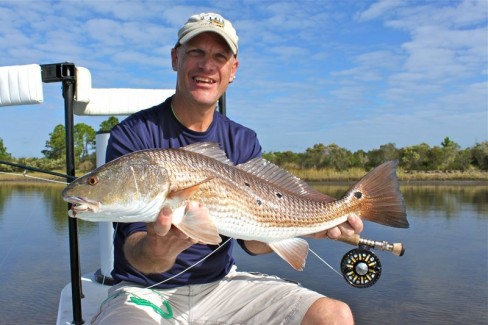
x=233, y=71
x=174, y=59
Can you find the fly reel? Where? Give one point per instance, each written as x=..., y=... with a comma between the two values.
x=360, y=267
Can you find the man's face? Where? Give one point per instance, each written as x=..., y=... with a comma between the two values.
x=205, y=65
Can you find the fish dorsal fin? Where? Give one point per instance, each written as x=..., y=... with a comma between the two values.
x=278, y=176
x=209, y=149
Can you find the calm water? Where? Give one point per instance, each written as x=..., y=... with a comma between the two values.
x=441, y=279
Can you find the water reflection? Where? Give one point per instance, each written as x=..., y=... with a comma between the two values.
x=53, y=204
x=428, y=198
x=34, y=259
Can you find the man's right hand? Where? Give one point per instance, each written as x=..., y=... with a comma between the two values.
x=155, y=250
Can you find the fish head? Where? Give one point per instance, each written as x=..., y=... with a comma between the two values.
x=126, y=190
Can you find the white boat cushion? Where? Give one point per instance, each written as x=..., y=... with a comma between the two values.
x=21, y=85
x=113, y=101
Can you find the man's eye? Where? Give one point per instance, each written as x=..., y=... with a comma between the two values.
x=195, y=52
x=222, y=57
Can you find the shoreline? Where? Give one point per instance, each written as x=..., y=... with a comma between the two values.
x=418, y=178
x=34, y=178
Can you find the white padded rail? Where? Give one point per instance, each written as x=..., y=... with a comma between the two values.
x=113, y=101
x=21, y=85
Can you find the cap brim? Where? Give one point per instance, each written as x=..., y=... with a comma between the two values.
x=188, y=36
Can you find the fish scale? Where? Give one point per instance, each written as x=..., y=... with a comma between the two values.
x=253, y=201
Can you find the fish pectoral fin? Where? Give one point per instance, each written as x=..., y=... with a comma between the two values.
x=293, y=250
x=185, y=193
x=197, y=224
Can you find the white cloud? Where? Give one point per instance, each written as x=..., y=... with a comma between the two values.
x=379, y=9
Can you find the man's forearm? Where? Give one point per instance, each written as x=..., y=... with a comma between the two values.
x=257, y=247
x=137, y=250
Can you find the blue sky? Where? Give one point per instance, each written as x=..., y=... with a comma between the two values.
x=359, y=74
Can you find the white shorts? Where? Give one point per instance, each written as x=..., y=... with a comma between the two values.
x=239, y=298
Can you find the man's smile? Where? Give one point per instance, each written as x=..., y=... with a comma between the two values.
x=203, y=80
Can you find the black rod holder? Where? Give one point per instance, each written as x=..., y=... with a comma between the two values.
x=66, y=73
x=68, y=93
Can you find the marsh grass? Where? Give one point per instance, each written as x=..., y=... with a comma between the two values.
x=354, y=174
x=311, y=175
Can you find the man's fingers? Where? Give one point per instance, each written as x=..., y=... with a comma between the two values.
x=345, y=230
x=163, y=221
x=334, y=233
x=355, y=223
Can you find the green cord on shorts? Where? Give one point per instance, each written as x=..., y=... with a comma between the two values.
x=143, y=302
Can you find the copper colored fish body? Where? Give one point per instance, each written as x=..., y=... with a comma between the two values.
x=253, y=201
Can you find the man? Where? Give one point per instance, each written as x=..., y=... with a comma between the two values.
x=195, y=283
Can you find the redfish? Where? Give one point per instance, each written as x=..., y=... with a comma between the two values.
x=256, y=200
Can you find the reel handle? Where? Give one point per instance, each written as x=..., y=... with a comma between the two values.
x=395, y=248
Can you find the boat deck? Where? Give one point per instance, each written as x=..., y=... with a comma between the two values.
x=94, y=294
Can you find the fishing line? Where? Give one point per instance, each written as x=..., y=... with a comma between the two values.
x=323, y=261
x=33, y=177
x=191, y=266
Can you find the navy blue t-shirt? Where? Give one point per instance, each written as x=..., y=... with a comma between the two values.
x=157, y=127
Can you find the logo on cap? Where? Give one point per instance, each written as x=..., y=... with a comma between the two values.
x=214, y=20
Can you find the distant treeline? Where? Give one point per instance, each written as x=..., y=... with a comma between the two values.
x=448, y=156
x=55, y=150
x=445, y=157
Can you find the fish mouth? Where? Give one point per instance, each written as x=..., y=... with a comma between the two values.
x=80, y=204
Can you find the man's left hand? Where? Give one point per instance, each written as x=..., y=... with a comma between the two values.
x=353, y=225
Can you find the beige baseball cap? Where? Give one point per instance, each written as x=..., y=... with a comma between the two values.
x=209, y=22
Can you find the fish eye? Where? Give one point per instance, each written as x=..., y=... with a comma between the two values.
x=92, y=180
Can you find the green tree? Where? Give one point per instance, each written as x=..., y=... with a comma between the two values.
x=283, y=159
x=462, y=161
x=84, y=138
x=415, y=157
x=479, y=155
x=84, y=142
x=56, y=146
x=448, y=143
x=384, y=153
x=410, y=158
x=336, y=157
x=450, y=155
x=108, y=124
x=4, y=155
x=359, y=159
x=313, y=157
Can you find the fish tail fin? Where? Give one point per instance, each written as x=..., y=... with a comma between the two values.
x=379, y=195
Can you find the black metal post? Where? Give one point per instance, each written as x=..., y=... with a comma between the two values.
x=65, y=72
x=68, y=93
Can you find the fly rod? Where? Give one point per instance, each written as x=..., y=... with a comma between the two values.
x=395, y=248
